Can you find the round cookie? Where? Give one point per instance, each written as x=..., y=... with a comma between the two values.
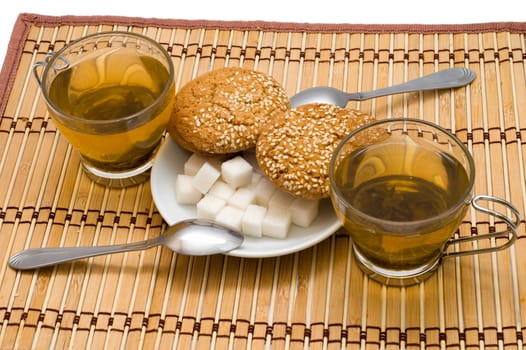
x=296, y=150
x=222, y=111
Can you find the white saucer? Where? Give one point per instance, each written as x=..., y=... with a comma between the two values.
x=169, y=162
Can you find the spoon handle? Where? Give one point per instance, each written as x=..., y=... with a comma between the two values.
x=40, y=257
x=447, y=78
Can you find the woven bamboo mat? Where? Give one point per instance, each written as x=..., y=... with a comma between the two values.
x=316, y=298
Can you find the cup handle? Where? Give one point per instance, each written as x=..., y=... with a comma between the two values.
x=36, y=66
x=49, y=55
x=510, y=234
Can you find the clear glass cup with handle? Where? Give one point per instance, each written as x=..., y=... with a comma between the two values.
x=402, y=187
x=110, y=95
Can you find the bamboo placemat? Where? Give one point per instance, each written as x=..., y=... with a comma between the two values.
x=316, y=298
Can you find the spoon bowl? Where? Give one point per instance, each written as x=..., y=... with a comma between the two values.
x=444, y=79
x=188, y=237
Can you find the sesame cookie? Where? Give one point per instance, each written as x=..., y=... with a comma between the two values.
x=222, y=111
x=296, y=150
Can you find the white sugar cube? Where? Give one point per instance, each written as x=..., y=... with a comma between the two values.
x=304, y=211
x=231, y=217
x=185, y=193
x=209, y=206
x=252, y=221
x=264, y=190
x=256, y=177
x=236, y=172
x=276, y=223
x=221, y=189
x=205, y=177
x=193, y=164
x=242, y=198
x=281, y=199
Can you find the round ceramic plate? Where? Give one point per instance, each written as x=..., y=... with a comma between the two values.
x=170, y=161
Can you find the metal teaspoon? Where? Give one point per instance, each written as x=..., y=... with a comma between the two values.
x=188, y=237
x=448, y=78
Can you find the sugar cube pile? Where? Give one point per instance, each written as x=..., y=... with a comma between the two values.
x=236, y=194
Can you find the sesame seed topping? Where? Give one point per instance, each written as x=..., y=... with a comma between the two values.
x=229, y=107
x=296, y=150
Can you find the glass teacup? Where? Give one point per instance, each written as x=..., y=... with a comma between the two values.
x=402, y=188
x=111, y=95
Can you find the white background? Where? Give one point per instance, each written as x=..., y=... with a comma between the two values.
x=324, y=11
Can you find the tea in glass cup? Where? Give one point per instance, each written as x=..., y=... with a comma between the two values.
x=402, y=188
x=111, y=95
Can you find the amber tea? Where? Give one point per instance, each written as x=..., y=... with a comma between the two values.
x=111, y=96
x=401, y=181
x=109, y=87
